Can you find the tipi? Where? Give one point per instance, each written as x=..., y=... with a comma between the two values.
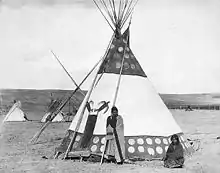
x=59, y=117
x=15, y=113
x=121, y=81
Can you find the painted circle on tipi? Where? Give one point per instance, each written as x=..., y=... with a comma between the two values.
x=126, y=65
x=132, y=66
x=157, y=141
x=103, y=140
x=131, y=149
x=159, y=150
x=120, y=49
x=124, y=40
x=127, y=49
x=141, y=149
x=127, y=56
x=94, y=148
x=118, y=65
x=151, y=151
x=95, y=140
x=77, y=138
x=169, y=140
x=140, y=141
x=166, y=148
x=165, y=141
x=112, y=46
x=102, y=148
x=131, y=141
x=149, y=141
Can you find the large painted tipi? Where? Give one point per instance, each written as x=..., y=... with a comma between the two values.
x=15, y=113
x=121, y=81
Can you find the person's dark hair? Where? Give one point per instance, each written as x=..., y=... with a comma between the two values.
x=114, y=108
x=175, y=136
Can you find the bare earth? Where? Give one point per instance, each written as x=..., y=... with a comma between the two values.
x=17, y=156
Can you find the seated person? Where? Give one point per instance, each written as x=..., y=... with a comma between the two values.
x=174, y=156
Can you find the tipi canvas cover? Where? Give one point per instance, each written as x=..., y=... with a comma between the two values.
x=120, y=81
x=15, y=113
x=58, y=118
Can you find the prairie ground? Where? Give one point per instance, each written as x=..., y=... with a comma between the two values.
x=17, y=156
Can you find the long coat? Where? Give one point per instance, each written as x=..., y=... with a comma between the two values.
x=112, y=149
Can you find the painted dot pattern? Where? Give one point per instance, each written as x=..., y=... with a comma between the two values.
x=132, y=66
x=96, y=140
x=169, y=140
x=120, y=49
x=165, y=141
x=131, y=141
x=140, y=141
x=141, y=149
x=102, y=148
x=103, y=140
x=149, y=141
x=158, y=141
x=126, y=65
x=94, y=148
x=112, y=46
x=127, y=56
x=151, y=151
x=159, y=150
x=142, y=146
x=77, y=138
x=131, y=149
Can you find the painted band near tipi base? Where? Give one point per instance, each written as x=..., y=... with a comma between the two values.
x=136, y=147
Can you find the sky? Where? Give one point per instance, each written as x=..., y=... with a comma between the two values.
x=177, y=43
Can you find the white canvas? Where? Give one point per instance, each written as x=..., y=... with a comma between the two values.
x=58, y=118
x=141, y=107
x=15, y=113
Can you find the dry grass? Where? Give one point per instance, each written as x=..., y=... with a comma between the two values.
x=17, y=156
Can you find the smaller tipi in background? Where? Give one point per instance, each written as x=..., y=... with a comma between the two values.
x=58, y=118
x=15, y=113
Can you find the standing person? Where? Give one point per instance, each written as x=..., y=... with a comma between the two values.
x=115, y=135
x=174, y=157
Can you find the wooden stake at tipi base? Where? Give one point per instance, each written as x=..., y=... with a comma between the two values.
x=148, y=124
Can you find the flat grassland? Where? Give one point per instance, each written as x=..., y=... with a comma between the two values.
x=17, y=156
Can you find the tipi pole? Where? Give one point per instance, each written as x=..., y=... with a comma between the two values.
x=67, y=72
x=80, y=119
x=10, y=111
x=84, y=106
x=103, y=15
x=37, y=135
x=114, y=101
x=120, y=74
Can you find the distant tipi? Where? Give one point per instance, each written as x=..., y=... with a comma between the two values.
x=59, y=117
x=15, y=113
